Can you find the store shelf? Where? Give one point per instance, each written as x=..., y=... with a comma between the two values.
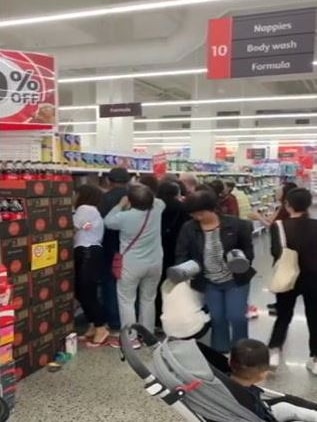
x=81, y=170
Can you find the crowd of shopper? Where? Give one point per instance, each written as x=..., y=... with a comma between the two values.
x=129, y=235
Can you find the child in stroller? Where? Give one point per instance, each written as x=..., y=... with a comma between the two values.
x=249, y=364
x=194, y=380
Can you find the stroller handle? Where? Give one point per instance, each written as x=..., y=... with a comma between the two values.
x=130, y=354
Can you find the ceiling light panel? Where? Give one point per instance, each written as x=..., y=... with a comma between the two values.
x=212, y=131
x=163, y=73
x=259, y=99
x=222, y=118
x=107, y=11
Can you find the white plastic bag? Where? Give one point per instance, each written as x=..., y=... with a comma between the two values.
x=182, y=311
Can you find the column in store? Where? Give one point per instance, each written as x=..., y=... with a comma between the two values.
x=242, y=147
x=82, y=95
x=202, y=145
x=115, y=134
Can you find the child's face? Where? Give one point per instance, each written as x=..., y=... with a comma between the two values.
x=261, y=377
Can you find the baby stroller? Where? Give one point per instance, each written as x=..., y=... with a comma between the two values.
x=4, y=411
x=180, y=375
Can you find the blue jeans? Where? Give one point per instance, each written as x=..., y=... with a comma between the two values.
x=109, y=299
x=227, y=304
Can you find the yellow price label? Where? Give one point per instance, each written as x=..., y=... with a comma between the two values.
x=44, y=255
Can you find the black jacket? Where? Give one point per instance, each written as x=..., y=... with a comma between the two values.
x=301, y=236
x=110, y=241
x=173, y=218
x=235, y=234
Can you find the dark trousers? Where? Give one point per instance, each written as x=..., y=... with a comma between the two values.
x=109, y=296
x=88, y=270
x=285, y=310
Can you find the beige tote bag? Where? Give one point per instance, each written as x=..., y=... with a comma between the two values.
x=286, y=268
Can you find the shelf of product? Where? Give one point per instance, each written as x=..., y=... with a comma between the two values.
x=36, y=271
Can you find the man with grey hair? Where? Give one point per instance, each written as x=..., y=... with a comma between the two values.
x=190, y=181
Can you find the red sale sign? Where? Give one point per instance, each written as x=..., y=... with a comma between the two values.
x=28, y=95
x=160, y=164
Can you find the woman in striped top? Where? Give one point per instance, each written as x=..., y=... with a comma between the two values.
x=207, y=239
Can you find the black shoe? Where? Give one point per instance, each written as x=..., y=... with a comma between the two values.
x=271, y=306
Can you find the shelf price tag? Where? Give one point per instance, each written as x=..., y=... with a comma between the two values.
x=44, y=255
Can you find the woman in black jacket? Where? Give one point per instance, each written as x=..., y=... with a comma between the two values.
x=301, y=236
x=207, y=239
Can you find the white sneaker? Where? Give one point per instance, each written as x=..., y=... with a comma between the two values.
x=312, y=366
x=275, y=357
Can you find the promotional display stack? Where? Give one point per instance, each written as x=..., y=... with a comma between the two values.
x=36, y=278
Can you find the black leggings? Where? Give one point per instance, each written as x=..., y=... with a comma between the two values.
x=285, y=309
x=88, y=271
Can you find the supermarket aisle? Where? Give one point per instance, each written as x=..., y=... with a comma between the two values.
x=97, y=387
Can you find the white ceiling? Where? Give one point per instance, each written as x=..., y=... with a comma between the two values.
x=170, y=39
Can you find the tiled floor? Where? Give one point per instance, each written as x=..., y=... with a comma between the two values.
x=96, y=386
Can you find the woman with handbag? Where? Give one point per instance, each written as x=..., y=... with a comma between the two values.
x=207, y=239
x=300, y=233
x=138, y=267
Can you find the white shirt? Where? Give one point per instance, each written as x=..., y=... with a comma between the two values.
x=93, y=236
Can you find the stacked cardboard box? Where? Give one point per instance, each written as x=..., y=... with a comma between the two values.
x=39, y=258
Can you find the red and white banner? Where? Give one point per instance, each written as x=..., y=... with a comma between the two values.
x=28, y=95
x=160, y=164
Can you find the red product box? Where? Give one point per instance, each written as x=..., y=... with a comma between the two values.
x=62, y=188
x=6, y=335
x=21, y=333
x=6, y=354
x=21, y=292
x=42, y=285
x=42, y=319
x=65, y=245
x=14, y=254
x=40, y=238
x=8, y=383
x=23, y=367
x=16, y=228
x=24, y=188
x=60, y=335
x=7, y=315
x=39, y=215
x=21, y=351
x=42, y=351
x=22, y=314
x=64, y=310
x=62, y=213
x=64, y=278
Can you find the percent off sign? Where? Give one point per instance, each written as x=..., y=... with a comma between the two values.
x=19, y=88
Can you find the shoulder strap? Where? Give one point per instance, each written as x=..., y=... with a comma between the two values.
x=139, y=233
x=282, y=233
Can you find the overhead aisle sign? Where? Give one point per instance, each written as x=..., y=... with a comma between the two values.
x=261, y=45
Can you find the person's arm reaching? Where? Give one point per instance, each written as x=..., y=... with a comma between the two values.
x=116, y=216
x=84, y=217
